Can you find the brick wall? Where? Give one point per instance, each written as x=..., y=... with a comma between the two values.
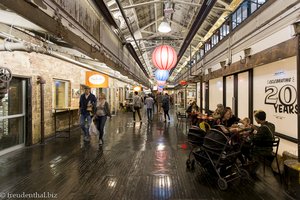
x=32, y=65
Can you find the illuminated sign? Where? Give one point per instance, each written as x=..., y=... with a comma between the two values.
x=96, y=80
x=137, y=88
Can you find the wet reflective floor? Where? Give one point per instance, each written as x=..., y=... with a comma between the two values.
x=137, y=161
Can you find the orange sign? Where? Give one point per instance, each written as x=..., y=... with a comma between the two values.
x=96, y=80
x=137, y=88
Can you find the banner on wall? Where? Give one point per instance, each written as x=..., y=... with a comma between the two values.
x=281, y=93
x=275, y=92
x=96, y=80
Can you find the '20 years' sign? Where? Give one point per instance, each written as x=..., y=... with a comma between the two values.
x=283, y=96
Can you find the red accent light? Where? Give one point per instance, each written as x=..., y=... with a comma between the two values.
x=183, y=83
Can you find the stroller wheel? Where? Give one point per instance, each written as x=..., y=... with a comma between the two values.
x=222, y=184
x=193, y=164
x=244, y=174
x=188, y=163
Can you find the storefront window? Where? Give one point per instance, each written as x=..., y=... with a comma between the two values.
x=60, y=94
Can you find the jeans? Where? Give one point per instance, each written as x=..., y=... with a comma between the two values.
x=149, y=113
x=83, y=126
x=137, y=109
x=100, y=125
x=166, y=112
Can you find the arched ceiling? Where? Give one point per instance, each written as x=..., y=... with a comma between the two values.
x=144, y=17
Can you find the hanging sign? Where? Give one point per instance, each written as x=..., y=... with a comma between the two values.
x=96, y=80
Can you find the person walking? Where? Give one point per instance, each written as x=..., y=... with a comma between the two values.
x=166, y=106
x=149, y=104
x=87, y=104
x=159, y=98
x=137, y=104
x=102, y=111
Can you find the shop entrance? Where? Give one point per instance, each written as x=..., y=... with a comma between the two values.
x=13, y=116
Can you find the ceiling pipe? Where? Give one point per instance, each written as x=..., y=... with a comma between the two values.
x=132, y=35
x=202, y=14
x=22, y=46
x=106, y=14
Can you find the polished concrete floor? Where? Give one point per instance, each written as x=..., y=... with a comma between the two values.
x=138, y=161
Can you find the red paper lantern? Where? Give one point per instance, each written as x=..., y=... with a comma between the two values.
x=183, y=83
x=164, y=57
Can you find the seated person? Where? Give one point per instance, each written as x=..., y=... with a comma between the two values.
x=218, y=112
x=193, y=108
x=246, y=129
x=262, y=135
x=193, y=111
x=228, y=119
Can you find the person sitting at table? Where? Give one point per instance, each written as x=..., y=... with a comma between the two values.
x=228, y=119
x=217, y=114
x=262, y=135
x=192, y=112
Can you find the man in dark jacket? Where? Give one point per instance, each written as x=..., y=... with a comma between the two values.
x=87, y=106
x=264, y=135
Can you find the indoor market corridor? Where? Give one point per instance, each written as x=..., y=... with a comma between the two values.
x=138, y=161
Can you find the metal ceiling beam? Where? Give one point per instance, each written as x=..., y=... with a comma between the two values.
x=202, y=14
x=223, y=3
x=106, y=14
x=146, y=26
x=131, y=32
x=162, y=1
x=155, y=14
x=178, y=24
x=142, y=43
x=148, y=32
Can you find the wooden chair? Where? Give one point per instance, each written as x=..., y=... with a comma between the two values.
x=274, y=143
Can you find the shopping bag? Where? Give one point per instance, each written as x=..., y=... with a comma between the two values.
x=93, y=129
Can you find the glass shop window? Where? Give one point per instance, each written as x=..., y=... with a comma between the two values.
x=61, y=93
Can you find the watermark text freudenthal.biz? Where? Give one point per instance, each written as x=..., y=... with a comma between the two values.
x=23, y=195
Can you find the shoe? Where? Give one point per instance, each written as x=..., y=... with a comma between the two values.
x=100, y=142
x=86, y=138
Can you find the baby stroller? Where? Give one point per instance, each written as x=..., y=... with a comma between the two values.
x=195, y=140
x=218, y=156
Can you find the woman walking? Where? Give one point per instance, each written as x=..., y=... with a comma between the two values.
x=101, y=115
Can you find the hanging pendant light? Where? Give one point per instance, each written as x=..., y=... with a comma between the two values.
x=164, y=26
x=164, y=57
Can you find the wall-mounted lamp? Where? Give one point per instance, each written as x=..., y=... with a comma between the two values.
x=222, y=63
x=225, y=63
x=209, y=70
x=296, y=26
x=247, y=54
